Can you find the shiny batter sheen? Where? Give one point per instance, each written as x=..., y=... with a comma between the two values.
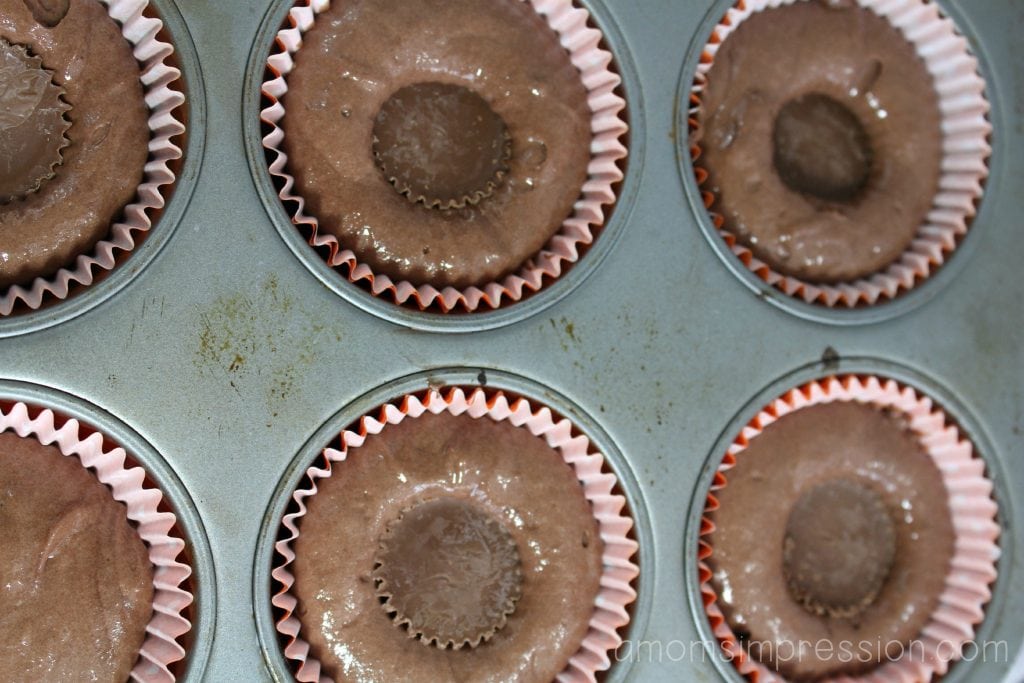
x=824, y=443
x=503, y=469
x=358, y=54
x=858, y=59
x=103, y=166
x=76, y=583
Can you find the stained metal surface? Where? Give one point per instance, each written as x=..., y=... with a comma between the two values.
x=226, y=355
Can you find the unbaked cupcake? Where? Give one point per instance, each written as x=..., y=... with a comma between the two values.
x=78, y=133
x=850, y=532
x=458, y=538
x=842, y=166
x=92, y=586
x=445, y=153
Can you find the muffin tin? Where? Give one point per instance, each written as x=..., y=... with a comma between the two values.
x=224, y=351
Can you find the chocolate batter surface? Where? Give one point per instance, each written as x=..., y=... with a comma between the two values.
x=496, y=467
x=811, y=192
x=49, y=13
x=808, y=448
x=358, y=54
x=76, y=583
x=109, y=136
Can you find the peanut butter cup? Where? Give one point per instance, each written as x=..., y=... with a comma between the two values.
x=441, y=145
x=33, y=123
x=821, y=149
x=839, y=548
x=448, y=572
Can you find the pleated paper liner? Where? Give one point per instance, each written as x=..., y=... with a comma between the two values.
x=578, y=231
x=155, y=56
x=973, y=511
x=167, y=630
x=965, y=150
x=616, y=592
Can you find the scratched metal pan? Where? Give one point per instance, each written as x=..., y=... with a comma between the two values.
x=225, y=352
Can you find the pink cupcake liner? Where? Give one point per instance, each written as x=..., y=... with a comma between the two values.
x=973, y=511
x=616, y=593
x=563, y=249
x=156, y=77
x=965, y=150
x=160, y=649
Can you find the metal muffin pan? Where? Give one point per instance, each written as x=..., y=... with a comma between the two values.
x=220, y=360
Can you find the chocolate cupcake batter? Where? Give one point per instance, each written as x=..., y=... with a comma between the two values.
x=49, y=12
x=820, y=133
x=499, y=473
x=358, y=55
x=76, y=583
x=864, y=574
x=102, y=166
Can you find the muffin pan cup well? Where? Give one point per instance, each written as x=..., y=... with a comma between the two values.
x=226, y=353
x=965, y=130
x=162, y=85
x=623, y=603
x=587, y=222
x=973, y=511
x=155, y=505
x=599, y=484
